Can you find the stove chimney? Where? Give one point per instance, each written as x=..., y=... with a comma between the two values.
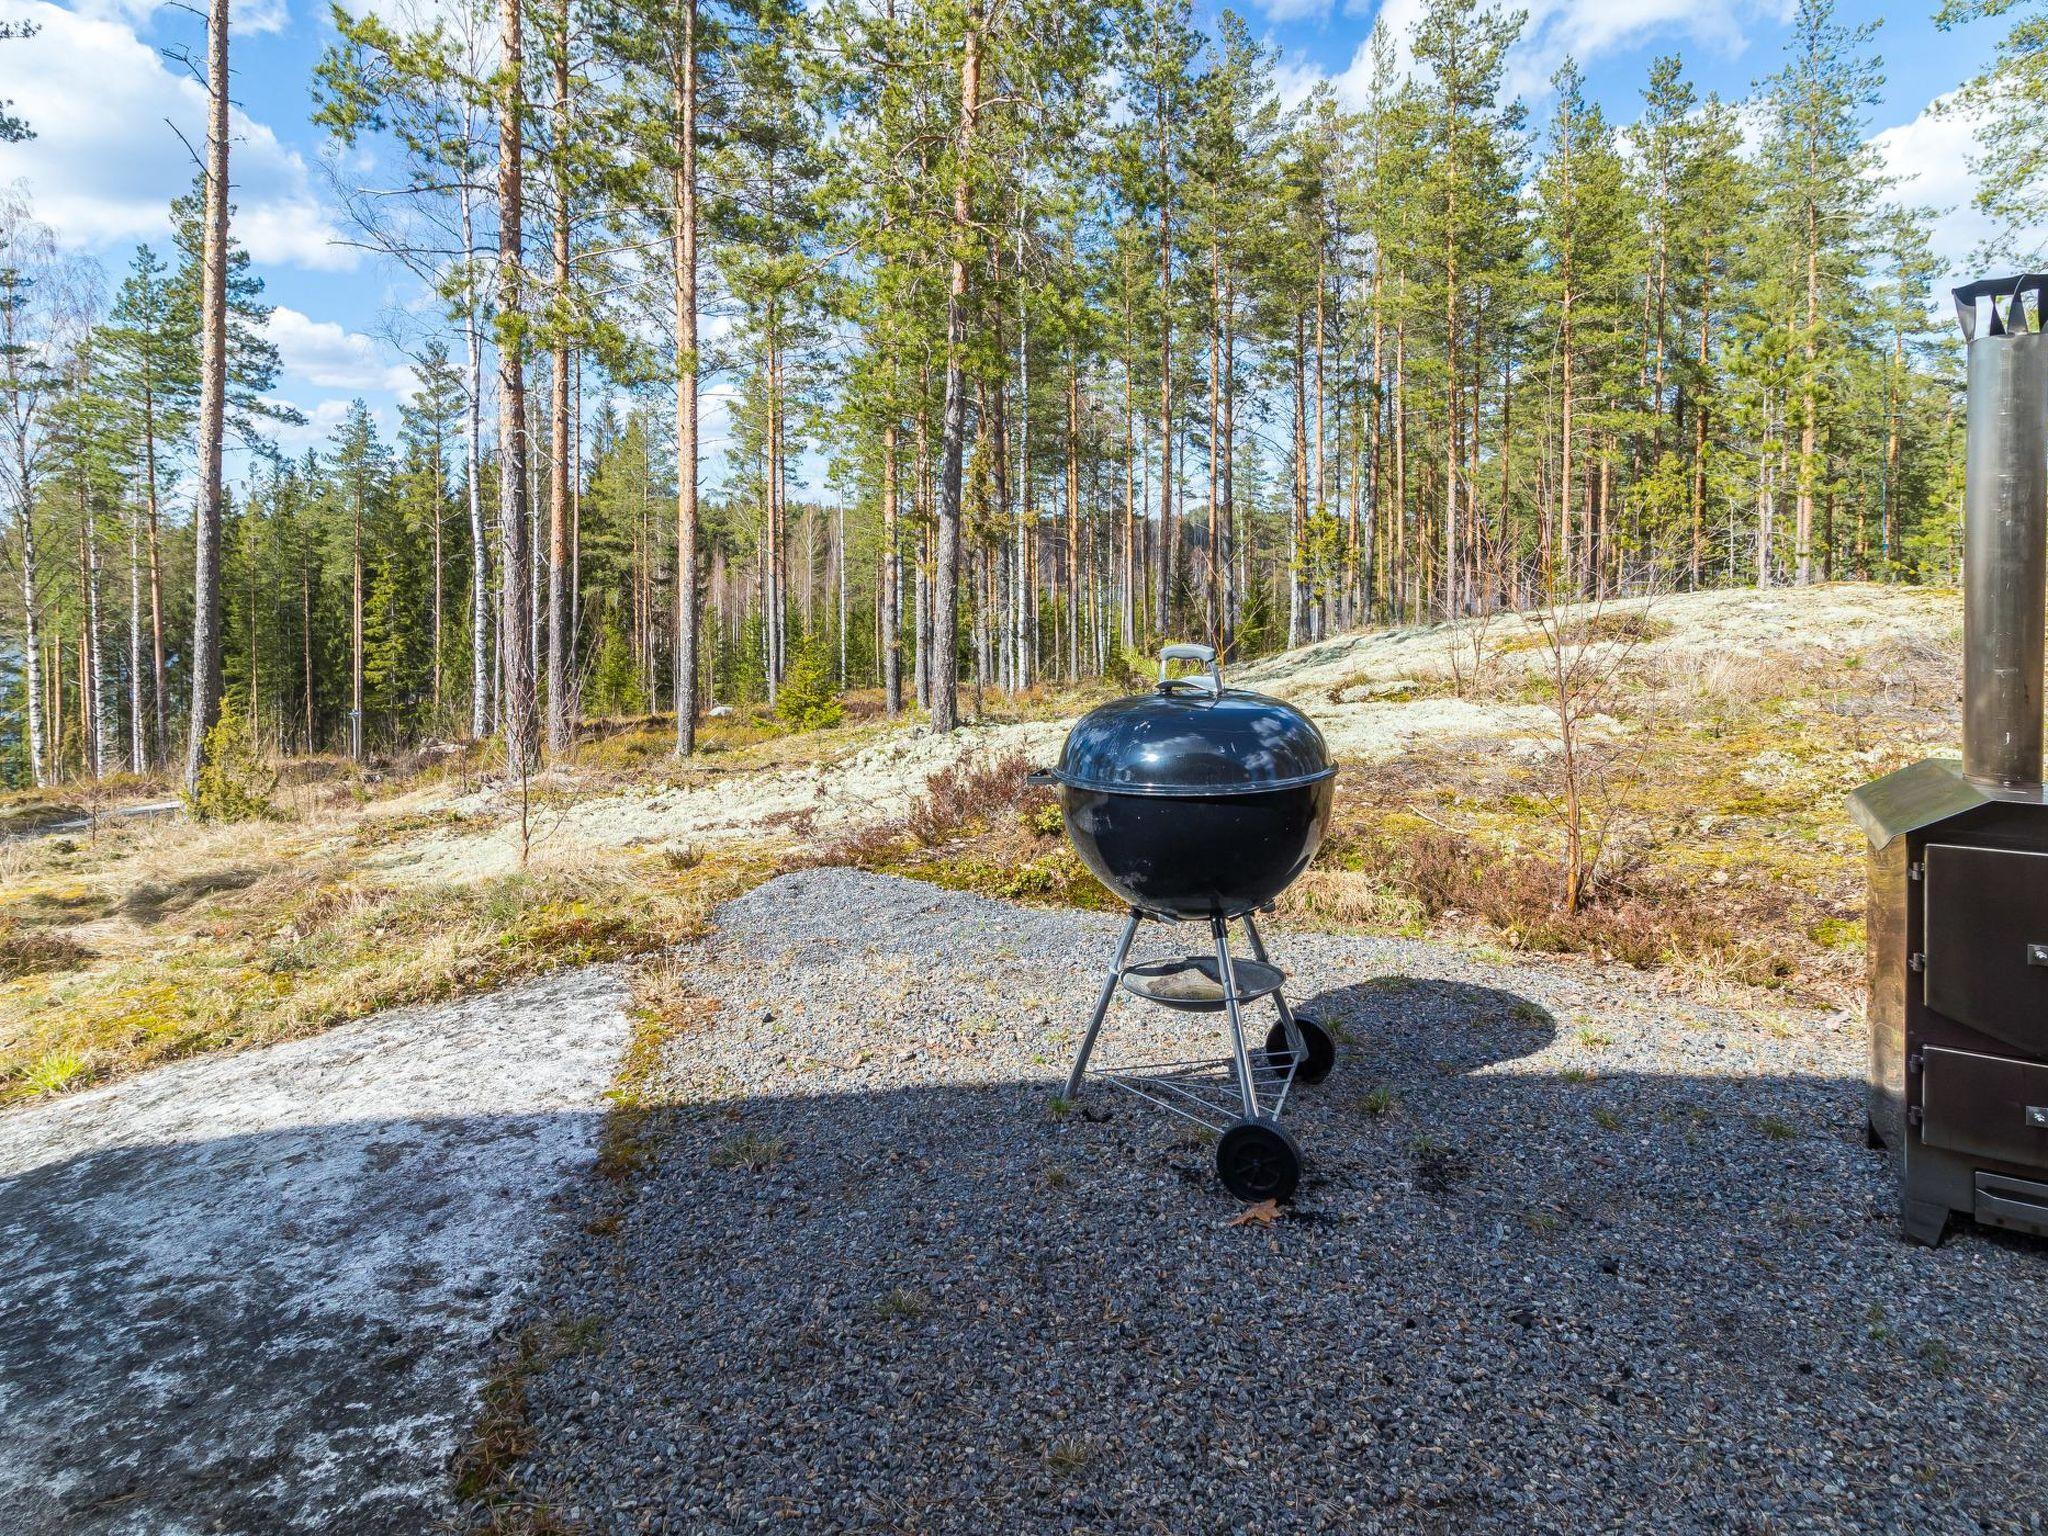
x=2005, y=529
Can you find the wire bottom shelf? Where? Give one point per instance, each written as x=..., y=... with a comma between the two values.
x=1206, y=1091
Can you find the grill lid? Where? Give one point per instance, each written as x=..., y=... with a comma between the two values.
x=1193, y=736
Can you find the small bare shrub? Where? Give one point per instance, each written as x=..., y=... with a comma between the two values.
x=26, y=951
x=1472, y=659
x=1626, y=915
x=1586, y=652
x=966, y=794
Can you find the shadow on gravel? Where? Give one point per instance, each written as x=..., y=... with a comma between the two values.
x=1392, y=1017
x=271, y=1332
x=1509, y=1298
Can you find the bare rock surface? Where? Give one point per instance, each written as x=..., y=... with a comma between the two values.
x=1577, y=1253
x=248, y=1293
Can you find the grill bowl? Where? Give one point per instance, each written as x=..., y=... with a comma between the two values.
x=1198, y=857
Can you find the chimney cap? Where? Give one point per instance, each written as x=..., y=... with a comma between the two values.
x=2009, y=288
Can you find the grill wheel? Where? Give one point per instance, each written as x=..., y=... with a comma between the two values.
x=1322, y=1049
x=1257, y=1160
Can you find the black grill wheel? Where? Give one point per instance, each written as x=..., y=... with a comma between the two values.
x=1322, y=1049
x=1257, y=1160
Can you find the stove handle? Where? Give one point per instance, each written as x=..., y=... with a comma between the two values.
x=1204, y=654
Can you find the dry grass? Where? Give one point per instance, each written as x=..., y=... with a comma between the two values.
x=26, y=951
x=1729, y=855
x=503, y=1433
x=664, y=1005
x=961, y=799
x=272, y=933
x=1434, y=878
x=978, y=827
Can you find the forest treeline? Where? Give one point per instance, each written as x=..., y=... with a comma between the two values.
x=1035, y=332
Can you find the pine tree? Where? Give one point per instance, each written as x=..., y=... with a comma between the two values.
x=2007, y=101
x=13, y=129
x=150, y=366
x=1820, y=171
x=1473, y=141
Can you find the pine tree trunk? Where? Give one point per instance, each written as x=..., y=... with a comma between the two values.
x=1321, y=503
x=685, y=236
x=1699, y=438
x=57, y=705
x=1802, y=533
x=1374, y=537
x=773, y=601
x=515, y=611
x=94, y=681
x=213, y=340
x=1021, y=578
x=946, y=572
x=1074, y=603
x=1567, y=574
x=1212, y=583
x=160, y=740
x=1398, y=585
x=1891, y=449
x=138, y=746
x=558, y=414
x=1297, y=522
x=1451, y=401
x=1232, y=588
x=306, y=642
x=472, y=450
x=921, y=524
x=890, y=599
x=355, y=627
x=31, y=608
x=1130, y=577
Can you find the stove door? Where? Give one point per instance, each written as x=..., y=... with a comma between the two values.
x=1987, y=941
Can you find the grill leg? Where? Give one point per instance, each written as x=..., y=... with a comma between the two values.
x=1241, y=1058
x=1295, y=1045
x=1116, y=974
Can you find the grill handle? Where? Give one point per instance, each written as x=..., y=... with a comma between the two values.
x=1203, y=654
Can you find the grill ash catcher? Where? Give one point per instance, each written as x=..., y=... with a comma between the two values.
x=1199, y=803
x=1958, y=857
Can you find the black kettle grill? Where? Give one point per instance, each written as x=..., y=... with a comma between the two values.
x=1200, y=803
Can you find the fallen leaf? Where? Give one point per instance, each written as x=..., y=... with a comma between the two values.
x=1265, y=1213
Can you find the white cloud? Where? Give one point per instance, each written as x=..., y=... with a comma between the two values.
x=1930, y=158
x=250, y=16
x=1294, y=10
x=1295, y=79
x=105, y=159
x=321, y=353
x=1584, y=29
x=322, y=418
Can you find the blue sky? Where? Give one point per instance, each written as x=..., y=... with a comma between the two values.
x=101, y=92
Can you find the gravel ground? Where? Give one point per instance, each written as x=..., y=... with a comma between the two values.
x=249, y=1293
x=1575, y=1255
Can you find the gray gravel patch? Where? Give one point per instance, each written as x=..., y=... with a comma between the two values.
x=251, y=1293
x=1576, y=1254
